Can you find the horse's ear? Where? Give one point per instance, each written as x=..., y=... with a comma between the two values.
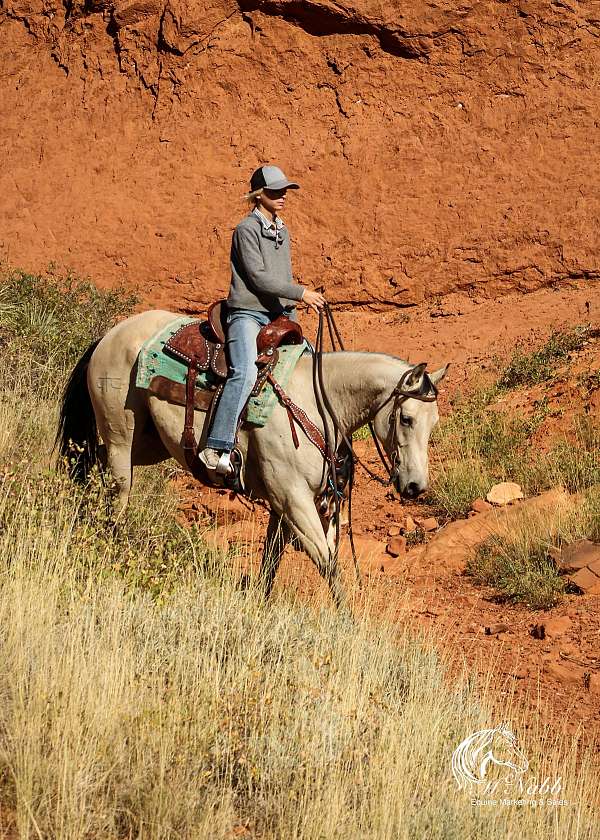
x=414, y=379
x=437, y=376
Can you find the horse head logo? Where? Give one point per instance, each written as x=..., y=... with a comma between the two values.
x=474, y=756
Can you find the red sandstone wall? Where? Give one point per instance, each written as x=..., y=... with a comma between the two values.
x=441, y=146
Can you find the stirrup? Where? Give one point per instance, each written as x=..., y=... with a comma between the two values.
x=224, y=466
x=234, y=479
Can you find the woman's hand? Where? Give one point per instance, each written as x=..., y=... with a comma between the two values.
x=314, y=300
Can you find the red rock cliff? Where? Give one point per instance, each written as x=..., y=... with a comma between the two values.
x=441, y=145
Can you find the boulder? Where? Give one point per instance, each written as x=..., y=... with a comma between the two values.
x=587, y=580
x=429, y=524
x=504, y=493
x=577, y=556
x=396, y=546
x=452, y=545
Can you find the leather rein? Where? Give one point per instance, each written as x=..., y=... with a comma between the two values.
x=427, y=393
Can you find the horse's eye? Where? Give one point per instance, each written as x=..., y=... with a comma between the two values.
x=406, y=421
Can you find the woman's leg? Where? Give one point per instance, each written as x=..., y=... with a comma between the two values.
x=243, y=326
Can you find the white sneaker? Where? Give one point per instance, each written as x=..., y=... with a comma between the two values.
x=215, y=461
x=210, y=458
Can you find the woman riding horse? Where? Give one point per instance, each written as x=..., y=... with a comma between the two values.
x=261, y=290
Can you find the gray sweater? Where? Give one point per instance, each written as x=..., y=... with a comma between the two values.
x=261, y=274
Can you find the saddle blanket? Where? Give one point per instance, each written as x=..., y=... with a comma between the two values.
x=153, y=361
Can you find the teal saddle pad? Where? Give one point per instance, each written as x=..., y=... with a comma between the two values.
x=153, y=361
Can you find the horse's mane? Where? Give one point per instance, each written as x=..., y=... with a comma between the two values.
x=370, y=353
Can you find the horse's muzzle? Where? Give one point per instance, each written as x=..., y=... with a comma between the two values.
x=411, y=491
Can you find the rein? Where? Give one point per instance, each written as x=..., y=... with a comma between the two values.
x=428, y=393
x=399, y=394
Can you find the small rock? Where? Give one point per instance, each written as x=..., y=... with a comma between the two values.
x=409, y=525
x=495, y=628
x=396, y=546
x=393, y=531
x=576, y=556
x=565, y=674
x=480, y=505
x=504, y=493
x=538, y=631
x=429, y=524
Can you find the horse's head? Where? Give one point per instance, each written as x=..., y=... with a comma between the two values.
x=404, y=425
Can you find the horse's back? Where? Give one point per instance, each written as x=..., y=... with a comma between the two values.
x=125, y=339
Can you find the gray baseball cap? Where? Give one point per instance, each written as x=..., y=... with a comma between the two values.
x=271, y=178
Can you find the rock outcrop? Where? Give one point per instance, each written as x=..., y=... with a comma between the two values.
x=441, y=146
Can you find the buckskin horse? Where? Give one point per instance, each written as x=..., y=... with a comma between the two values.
x=138, y=428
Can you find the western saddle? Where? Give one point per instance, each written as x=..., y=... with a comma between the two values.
x=201, y=346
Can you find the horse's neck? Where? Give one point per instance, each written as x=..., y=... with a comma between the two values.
x=357, y=384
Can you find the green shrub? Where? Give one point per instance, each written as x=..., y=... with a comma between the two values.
x=525, y=369
x=477, y=446
x=47, y=321
x=589, y=381
x=572, y=463
x=519, y=570
x=363, y=433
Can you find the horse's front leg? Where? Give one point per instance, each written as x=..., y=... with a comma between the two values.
x=305, y=523
x=278, y=536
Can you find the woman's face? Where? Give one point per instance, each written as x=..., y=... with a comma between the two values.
x=272, y=200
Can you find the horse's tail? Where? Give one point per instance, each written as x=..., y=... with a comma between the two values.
x=77, y=437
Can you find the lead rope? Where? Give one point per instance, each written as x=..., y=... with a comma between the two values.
x=325, y=408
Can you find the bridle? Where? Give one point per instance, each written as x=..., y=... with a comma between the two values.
x=427, y=393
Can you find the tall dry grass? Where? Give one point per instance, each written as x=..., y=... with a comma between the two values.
x=207, y=711
x=144, y=694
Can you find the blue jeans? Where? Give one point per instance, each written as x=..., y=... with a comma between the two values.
x=243, y=326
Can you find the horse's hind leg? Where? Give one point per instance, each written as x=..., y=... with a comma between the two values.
x=116, y=427
x=278, y=536
x=119, y=462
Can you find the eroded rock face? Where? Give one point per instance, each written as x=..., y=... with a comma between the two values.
x=440, y=146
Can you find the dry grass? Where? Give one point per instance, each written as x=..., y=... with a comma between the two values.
x=143, y=694
x=206, y=712
x=518, y=563
x=478, y=445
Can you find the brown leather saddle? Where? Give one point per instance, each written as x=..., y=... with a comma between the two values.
x=201, y=346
